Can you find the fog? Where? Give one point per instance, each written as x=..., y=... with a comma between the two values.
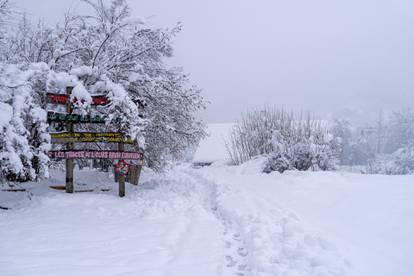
x=351, y=57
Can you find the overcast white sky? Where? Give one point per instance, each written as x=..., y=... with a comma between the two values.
x=322, y=55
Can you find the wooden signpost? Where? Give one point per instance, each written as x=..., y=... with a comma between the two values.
x=70, y=137
x=88, y=137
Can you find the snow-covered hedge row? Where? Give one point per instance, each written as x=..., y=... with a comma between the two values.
x=290, y=142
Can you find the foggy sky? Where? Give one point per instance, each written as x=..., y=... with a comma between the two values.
x=346, y=56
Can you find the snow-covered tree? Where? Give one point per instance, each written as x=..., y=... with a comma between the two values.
x=112, y=53
x=399, y=146
x=342, y=131
x=4, y=11
x=400, y=130
x=356, y=145
x=24, y=141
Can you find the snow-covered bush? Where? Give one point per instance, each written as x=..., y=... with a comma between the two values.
x=399, y=162
x=399, y=149
x=302, y=146
x=290, y=142
x=252, y=135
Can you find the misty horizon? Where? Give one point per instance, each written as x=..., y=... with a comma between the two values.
x=348, y=59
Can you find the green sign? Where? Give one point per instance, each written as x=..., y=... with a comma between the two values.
x=75, y=118
x=87, y=137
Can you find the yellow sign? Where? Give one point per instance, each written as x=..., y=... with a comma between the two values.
x=88, y=137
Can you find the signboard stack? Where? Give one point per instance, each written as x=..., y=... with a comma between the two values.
x=69, y=137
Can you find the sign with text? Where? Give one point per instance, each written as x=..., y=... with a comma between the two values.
x=64, y=99
x=75, y=118
x=88, y=137
x=95, y=154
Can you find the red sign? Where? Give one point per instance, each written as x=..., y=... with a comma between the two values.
x=122, y=167
x=99, y=100
x=57, y=98
x=64, y=99
x=95, y=154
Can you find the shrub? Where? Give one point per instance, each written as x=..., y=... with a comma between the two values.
x=399, y=162
x=291, y=142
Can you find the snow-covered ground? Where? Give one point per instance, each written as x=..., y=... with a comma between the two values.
x=164, y=227
x=213, y=221
x=369, y=218
x=181, y=223
x=217, y=220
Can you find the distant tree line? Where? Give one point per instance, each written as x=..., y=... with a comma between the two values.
x=299, y=142
x=386, y=147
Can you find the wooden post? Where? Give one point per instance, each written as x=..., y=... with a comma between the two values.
x=121, y=178
x=138, y=172
x=69, y=146
x=116, y=175
x=134, y=173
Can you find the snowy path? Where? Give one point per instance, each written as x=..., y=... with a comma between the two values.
x=182, y=223
x=235, y=251
x=270, y=240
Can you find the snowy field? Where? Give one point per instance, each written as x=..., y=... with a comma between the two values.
x=217, y=220
x=368, y=218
